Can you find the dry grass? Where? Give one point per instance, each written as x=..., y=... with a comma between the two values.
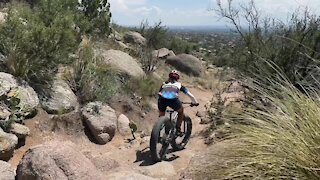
x=282, y=142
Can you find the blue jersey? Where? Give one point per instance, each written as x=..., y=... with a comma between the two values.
x=170, y=90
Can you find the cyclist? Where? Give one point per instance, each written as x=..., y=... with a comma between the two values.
x=168, y=96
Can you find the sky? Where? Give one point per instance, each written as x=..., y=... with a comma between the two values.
x=196, y=12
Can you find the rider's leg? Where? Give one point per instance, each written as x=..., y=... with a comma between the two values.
x=180, y=118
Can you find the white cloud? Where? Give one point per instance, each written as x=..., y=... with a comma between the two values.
x=134, y=11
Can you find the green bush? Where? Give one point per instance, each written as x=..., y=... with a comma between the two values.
x=35, y=44
x=179, y=45
x=147, y=86
x=155, y=35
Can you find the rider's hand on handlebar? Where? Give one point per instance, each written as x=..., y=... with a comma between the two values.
x=194, y=104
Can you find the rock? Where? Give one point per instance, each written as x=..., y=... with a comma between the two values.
x=8, y=143
x=128, y=175
x=20, y=130
x=62, y=99
x=29, y=100
x=159, y=169
x=56, y=160
x=134, y=38
x=3, y=17
x=161, y=53
x=123, y=125
x=123, y=61
x=6, y=171
x=171, y=53
x=4, y=112
x=186, y=63
x=101, y=120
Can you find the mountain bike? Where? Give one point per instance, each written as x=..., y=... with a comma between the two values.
x=164, y=134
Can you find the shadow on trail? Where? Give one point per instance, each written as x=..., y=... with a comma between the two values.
x=144, y=157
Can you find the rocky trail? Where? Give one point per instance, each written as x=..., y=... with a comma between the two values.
x=129, y=158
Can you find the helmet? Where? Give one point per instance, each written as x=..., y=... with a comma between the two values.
x=174, y=75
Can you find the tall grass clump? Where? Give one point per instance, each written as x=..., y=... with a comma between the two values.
x=92, y=79
x=280, y=140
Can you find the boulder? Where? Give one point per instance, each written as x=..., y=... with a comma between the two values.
x=186, y=63
x=62, y=99
x=20, y=130
x=128, y=175
x=56, y=160
x=123, y=62
x=4, y=112
x=6, y=171
x=134, y=38
x=28, y=97
x=162, y=53
x=101, y=120
x=8, y=143
x=123, y=125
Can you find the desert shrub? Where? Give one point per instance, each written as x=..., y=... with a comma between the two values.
x=292, y=46
x=179, y=45
x=145, y=87
x=91, y=78
x=97, y=13
x=34, y=45
x=155, y=35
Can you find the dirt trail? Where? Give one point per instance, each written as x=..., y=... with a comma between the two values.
x=134, y=155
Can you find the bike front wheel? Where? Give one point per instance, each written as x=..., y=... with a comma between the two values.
x=180, y=142
x=160, y=139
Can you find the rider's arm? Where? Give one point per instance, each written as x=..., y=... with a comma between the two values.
x=191, y=96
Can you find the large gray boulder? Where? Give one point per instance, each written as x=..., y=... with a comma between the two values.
x=101, y=120
x=123, y=62
x=62, y=99
x=186, y=63
x=28, y=97
x=134, y=38
x=162, y=53
x=8, y=142
x=56, y=160
x=6, y=171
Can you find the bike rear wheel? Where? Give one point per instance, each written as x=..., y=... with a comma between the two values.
x=160, y=139
x=180, y=142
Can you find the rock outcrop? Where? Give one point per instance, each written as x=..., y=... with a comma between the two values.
x=134, y=38
x=3, y=17
x=29, y=100
x=6, y=171
x=123, y=62
x=8, y=142
x=162, y=53
x=101, y=120
x=56, y=160
x=186, y=63
x=62, y=99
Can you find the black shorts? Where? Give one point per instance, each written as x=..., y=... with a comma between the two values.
x=163, y=103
